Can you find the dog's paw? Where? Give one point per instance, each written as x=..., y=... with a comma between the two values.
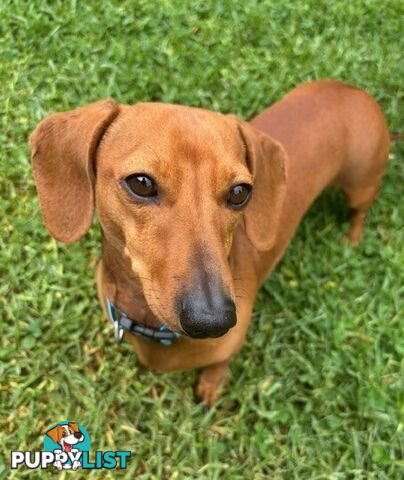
x=349, y=240
x=210, y=382
x=207, y=392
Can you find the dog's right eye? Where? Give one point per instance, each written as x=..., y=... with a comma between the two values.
x=141, y=185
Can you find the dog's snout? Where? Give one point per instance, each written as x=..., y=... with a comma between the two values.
x=78, y=435
x=206, y=312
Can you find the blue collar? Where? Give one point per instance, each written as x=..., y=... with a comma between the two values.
x=122, y=323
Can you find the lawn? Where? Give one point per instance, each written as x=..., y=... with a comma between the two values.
x=317, y=391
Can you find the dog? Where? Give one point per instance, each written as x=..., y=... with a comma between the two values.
x=66, y=436
x=197, y=207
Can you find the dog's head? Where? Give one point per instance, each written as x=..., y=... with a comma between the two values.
x=66, y=435
x=171, y=184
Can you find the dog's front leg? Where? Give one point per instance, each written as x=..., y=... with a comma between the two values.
x=210, y=380
x=58, y=463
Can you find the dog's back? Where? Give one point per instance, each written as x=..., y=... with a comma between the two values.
x=333, y=134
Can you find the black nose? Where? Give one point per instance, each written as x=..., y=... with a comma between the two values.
x=78, y=435
x=205, y=313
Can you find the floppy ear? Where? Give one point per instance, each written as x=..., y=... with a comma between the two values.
x=63, y=150
x=55, y=433
x=267, y=160
x=74, y=427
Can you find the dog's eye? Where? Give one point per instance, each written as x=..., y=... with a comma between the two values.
x=64, y=433
x=141, y=185
x=239, y=195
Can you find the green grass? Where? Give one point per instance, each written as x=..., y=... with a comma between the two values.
x=317, y=391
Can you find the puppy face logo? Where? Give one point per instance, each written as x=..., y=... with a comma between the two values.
x=66, y=435
x=67, y=440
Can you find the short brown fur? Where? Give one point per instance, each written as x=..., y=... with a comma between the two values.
x=322, y=133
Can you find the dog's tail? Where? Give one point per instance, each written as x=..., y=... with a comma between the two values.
x=396, y=137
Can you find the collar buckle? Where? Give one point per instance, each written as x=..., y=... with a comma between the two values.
x=113, y=314
x=118, y=332
x=121, y=323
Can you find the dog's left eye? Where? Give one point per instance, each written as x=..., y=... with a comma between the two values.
x=141, y=185
x=239, y=195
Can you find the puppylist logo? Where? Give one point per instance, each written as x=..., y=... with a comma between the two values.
x=67, y=447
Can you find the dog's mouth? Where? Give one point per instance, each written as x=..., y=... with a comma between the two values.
x=67, y=447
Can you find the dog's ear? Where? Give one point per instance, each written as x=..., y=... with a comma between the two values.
x=63, y=150
x=267, y=160
x=74, y=427
x=55, y=433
